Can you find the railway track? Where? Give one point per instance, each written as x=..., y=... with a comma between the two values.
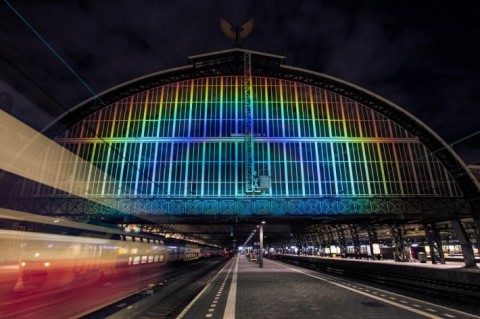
x=167, y=297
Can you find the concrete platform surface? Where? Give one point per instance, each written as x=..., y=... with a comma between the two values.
x=242, y=290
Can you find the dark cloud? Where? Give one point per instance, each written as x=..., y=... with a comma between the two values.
x=421, y=56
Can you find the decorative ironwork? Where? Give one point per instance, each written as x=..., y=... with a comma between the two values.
x=226, y=208
x=248, y=124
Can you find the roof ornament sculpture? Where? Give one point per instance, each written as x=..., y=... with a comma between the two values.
x=236, y=33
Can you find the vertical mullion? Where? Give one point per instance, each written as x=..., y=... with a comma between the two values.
x=285, y=167
x=187, y=160
x=267, y=105
x=99, y=169
x=414, y=170
x=110, y=145
x=122, y=166
x=429, y=170
x=142, y=134
x=345, y=134
x=190, y=112
x=220, y=119
x=155, y=160
x=314, y=126
x=362, y=143
x=352, y=184
x=285, y=157
x=236, y=132
x=334, y=169
x=219, y=169
x=205, y=116
x=208, y=181
x=237, y=119
x=379, y=153
x=282, y=108
x=300, y=148
x=448, y=181
x=236, y=169
x=269, y=166
x=397, y=164
x=92, y=158
x=267, y=120
x=332, y=150
x=172, y=147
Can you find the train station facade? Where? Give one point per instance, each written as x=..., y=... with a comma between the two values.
x=237, y=136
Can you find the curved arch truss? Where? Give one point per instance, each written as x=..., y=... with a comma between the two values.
x=173, y=144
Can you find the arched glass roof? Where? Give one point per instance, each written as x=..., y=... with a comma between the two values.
x=174, y=142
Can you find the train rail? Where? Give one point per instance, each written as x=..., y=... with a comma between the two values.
x=164, y=299
x=57, y=268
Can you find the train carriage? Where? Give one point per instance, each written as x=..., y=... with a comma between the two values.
x=42, y=252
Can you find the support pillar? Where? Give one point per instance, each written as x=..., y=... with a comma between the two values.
x=399, y=255
x=475, y=204
x=260, y=255
x=356, y=241
x=311, y=243
x=428, y=236
x=477, y=232
x=372, y=238
x=462, y=237
x=324, y=238
x=343, y=243
x=318, y=239
x=435, y=243
x=438, y=241
x=331, y=239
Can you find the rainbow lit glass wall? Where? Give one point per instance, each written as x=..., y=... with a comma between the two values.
x=185, y=139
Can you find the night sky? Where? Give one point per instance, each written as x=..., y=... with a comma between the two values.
x=421, y=55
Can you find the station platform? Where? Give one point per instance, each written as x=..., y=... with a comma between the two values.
x=455, y=264
x=243, y=290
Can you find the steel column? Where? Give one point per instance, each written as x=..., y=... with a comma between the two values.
x=462, y=237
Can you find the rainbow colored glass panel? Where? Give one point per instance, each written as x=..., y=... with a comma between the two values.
x=186, y=139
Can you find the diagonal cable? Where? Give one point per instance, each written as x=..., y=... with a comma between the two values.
x=44, y=41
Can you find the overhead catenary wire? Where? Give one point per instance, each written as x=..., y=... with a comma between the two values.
x=83, y=82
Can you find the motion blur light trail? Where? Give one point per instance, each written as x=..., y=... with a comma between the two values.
x=29, y=154
x=56, y=268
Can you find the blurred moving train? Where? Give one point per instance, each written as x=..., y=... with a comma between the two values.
x=43, y=253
